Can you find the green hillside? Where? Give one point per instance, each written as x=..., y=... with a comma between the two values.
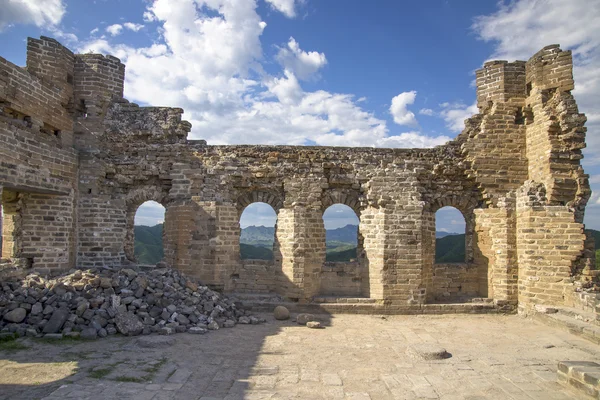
x=148, y=244
x=249, y=252
x=450, y=249
x=341, y=254
x=347, y=234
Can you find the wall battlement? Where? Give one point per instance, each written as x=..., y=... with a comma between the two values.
x=77, y=160
x=500, y=81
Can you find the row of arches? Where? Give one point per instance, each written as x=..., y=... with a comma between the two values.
x=258, y=223
x=257, y=234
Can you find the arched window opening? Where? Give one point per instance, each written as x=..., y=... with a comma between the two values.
x=450, y=236
x=257, y=232
x=341, y=233
x=148, y=232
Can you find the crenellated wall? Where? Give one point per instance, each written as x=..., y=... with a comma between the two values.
x=77, y=160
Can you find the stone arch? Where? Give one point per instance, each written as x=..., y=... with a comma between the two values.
x=140, y=195
x=275, y=200
x=468, y=273
x=257, y=274
x=345, y=278
x=133, y=200
x=466, y=205
x=250, y=210
x=350, y=198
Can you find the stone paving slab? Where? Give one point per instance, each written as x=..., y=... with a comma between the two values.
x=354, y=357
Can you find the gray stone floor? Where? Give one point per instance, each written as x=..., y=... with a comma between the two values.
x=354, y=357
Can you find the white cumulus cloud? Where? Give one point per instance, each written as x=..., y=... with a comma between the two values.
x=455, y=114
x=398, y=109
x=426, y=111
x=114, y=29
x=208, y=59
x=303, y=64
x=39, y=13
x=133, y=26
x=286, y=7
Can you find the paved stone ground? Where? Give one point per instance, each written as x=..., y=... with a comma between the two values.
x=354, y=357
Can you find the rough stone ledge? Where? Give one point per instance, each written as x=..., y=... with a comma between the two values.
x=581, y=376
x=571, y=324
x=376, y=308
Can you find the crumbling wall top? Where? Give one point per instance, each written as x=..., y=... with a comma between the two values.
x=551, y=68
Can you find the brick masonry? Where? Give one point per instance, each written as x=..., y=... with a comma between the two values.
x=77, y=160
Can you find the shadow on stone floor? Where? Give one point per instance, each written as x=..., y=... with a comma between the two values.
x=183, y=366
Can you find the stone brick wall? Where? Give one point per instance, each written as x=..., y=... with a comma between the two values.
x=255, y=276
x=500, y=81
x=342, y=279
x=38, y=165
x=455, y=281
x=34, y=95
x=73, y=149
x=11, y=225
x=549, y=242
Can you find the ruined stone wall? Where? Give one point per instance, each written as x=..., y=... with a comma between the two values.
x=556, y=133
x=80, y=159
x=38, y=165
x=551, y=204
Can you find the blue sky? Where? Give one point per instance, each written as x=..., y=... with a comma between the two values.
x=356, y=73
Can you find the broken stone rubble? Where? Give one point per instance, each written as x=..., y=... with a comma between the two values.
x=101, y=302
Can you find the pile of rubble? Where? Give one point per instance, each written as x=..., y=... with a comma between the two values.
x=101, y=302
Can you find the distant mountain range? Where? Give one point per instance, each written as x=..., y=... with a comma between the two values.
x=261, y=236
x=256, y=242
x=440, y=234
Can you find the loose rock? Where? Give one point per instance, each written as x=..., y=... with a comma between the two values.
x=302, y=319
x=427, y=352
x=17, y=315
x=89, y=334
x=128, y=324
x=57, y=320
x=281, y=313
x=101, y=302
